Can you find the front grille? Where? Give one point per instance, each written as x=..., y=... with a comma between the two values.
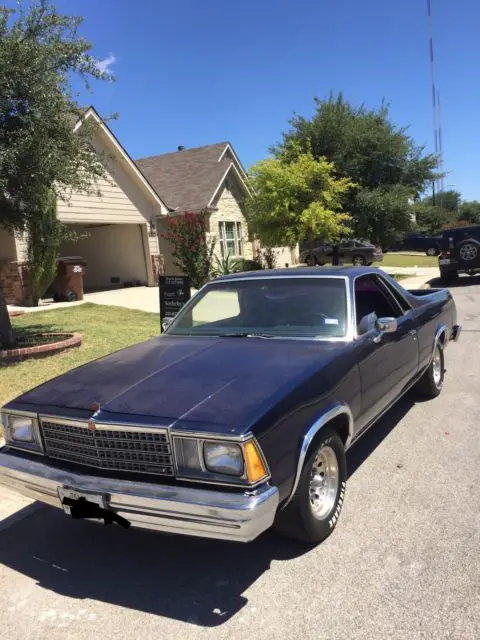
x=116, y=450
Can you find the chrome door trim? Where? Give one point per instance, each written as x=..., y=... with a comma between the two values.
x=338, y=409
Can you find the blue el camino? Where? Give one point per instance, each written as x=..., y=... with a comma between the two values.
x=238, y=417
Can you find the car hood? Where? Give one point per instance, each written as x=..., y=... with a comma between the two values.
x=210, y=383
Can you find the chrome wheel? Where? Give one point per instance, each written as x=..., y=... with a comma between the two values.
x=324, y=479
x=468, y=252
x=437, y=367
x=431, y=251
x=358, y=261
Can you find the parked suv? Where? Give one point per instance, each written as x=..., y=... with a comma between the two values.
x=460, y=252
x=350, y=251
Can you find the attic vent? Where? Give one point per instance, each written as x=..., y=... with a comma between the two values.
x=181, y=147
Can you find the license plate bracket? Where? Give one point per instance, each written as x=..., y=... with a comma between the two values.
x=100, y=499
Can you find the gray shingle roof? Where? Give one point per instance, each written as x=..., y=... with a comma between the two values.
x=186, y=180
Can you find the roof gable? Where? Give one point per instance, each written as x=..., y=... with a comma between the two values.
x=190, y=179
x=130, y=165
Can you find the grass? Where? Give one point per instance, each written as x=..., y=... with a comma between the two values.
x=104, y=330
x=406, y=260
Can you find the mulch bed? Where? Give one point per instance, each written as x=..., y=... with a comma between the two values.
x=15, y=314
x=37, y=345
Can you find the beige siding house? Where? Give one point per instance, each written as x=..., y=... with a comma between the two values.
x=212, y=180
x=120, y=225
x=116, y=227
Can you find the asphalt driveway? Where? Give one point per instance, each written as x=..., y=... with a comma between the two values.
x=404, y=561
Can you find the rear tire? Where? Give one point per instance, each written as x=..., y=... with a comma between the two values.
x=431, y=383
x=311, y=262
x=313, y=512
x=432, y=251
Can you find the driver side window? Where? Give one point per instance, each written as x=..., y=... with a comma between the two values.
x=372, y=302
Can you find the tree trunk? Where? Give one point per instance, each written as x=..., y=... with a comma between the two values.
x=336, y=255
x=311, y=246
x=6, y=332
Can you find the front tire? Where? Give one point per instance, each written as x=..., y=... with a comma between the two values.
x=313, y=512
x=430, y=384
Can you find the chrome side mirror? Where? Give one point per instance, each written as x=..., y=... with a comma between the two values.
x=385, y=325
x=166, y=322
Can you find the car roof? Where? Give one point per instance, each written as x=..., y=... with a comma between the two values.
x=299, y=272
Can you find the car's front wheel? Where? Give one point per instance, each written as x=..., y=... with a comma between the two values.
x=431, y=383
x=315, y=507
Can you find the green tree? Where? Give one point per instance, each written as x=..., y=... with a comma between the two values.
x=433, y=219
x=469, y=211
x=449, y=200
x=297, y=196
x=368, y=148
x=40, y=50
x=45, y=233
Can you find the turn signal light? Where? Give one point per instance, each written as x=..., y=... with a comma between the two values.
x=254, y=462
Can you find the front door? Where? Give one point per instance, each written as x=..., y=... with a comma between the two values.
x=387, y=362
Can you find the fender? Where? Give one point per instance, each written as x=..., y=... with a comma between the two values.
x=335, y=410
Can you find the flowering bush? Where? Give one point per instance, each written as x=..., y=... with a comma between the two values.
x=191, y=251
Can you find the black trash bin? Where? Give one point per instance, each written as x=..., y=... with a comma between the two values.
x=68, y=285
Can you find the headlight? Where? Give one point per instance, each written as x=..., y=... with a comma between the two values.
x=223, y=458
x=21, y=431
x=238, y=463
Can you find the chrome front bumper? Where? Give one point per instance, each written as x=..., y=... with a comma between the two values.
x=173, y=509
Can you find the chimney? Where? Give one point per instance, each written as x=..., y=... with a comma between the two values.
x=180, y=147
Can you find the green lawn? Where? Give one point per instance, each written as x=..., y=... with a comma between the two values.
x=104, y=330
x=404, y=260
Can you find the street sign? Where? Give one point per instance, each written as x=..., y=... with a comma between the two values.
x=174, y=292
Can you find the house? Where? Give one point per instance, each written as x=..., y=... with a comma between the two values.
x=209, y=179
x=117, y=228
x=119, y=225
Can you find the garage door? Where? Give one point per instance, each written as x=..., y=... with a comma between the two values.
x=114, y=253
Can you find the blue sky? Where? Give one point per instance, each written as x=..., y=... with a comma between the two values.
x=195, y=72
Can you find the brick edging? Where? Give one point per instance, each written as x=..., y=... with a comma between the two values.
x=69, y=341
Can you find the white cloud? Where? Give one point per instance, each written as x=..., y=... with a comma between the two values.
x=104, y=65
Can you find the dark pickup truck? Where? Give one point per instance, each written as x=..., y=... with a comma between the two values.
x=239, y=416
x=460, y=252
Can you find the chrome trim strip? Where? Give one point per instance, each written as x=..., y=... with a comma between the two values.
x=103, y=426
x=235, y=516
x=338, y=409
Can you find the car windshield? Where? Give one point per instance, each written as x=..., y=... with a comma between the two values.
x=267, y=308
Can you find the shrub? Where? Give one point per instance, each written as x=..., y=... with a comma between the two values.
x=192, y=252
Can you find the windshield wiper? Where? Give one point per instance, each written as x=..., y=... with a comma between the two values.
x=246, y=335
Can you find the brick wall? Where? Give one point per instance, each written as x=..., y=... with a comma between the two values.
x=13, y=281
x=229, y=210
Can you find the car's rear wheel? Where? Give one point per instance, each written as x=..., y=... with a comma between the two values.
x=431, y=383
x=315, y=507
x=432, y=251
x=311, y=261
x=359, y=261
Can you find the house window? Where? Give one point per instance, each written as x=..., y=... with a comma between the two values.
x=231, y=242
